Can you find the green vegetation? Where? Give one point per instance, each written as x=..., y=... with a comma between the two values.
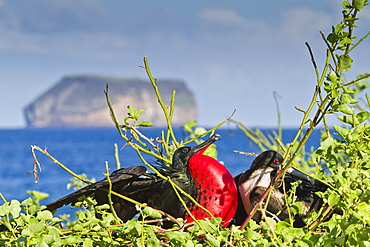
x=342, y=162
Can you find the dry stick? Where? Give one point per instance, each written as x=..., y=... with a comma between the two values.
x=33, y=147
x=35, y=164
x=246, y=153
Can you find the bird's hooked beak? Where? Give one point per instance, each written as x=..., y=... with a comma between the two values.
x=199, y=149
x=300, y=175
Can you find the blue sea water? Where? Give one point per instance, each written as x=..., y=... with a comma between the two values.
x=87, y=150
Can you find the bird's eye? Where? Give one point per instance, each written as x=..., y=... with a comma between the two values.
x=185, y=150
x=276, y=161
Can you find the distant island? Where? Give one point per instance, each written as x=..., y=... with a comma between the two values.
x=79, y=101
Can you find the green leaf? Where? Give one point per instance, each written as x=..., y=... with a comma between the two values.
x=346, y=5
x=363, y=116
x=347, y=99
x=42, y=244
x=145, y=124
x=358, y=4
x=4, y=209
x=178, y=238
x=304, y=243
x=152, y=241
x=346, y=41
x=339, y=29
x=134, y=112
x=27, y=202
x=189, y=125
x=328, y=142
x=349, y=120
x=44, y=215
x=351, y=173
x=340, y=240
x=296, y=208
x=332, y=76
x=73, y=240
x=341, y=131
x=15, y=208
x=333, y=199
x=207, y=226
x=212, y=240
x=345, y=62
x=296, y=232
x=282, y=227
x=346, y=109
x=152, y=213
x=199, y=130
x=37, y=195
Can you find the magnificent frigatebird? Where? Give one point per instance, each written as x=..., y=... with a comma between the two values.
x=201, y=176
x=254, y=182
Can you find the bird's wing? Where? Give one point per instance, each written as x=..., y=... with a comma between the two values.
x=118, y=178
x=305, y=192
x=275, y=203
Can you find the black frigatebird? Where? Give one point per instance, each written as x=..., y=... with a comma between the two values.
x=254, y=182
x=201, y=176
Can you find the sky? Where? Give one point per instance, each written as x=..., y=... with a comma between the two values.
x=232, y=54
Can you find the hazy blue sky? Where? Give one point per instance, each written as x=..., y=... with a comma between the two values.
x=232, y=54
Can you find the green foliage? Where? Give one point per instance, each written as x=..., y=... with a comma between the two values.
x=342, y=162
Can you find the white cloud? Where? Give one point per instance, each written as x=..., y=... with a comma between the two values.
x=226, y=17
x=300, y=23
x=224, y=52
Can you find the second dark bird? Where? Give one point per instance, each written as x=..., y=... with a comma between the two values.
x=254, y=182
x=201, y=176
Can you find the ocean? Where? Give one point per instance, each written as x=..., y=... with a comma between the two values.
x=87, y=151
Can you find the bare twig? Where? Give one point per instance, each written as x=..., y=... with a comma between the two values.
x=33, y=147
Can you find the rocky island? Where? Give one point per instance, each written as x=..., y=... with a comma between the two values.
x=79, y=101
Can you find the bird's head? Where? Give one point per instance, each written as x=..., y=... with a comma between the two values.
x=182, y=155
x=274, y=160
x=267, y=159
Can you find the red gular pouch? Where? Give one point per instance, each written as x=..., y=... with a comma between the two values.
x=216, y=189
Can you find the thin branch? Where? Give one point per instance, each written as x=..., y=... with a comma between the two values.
x=313, y=62
x=109, y=194
x=211, y=130
x=160, y=101
x=118, y=127
x=359, y=41
x=33, y=147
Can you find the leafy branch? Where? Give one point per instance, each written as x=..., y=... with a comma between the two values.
x=336, y=98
